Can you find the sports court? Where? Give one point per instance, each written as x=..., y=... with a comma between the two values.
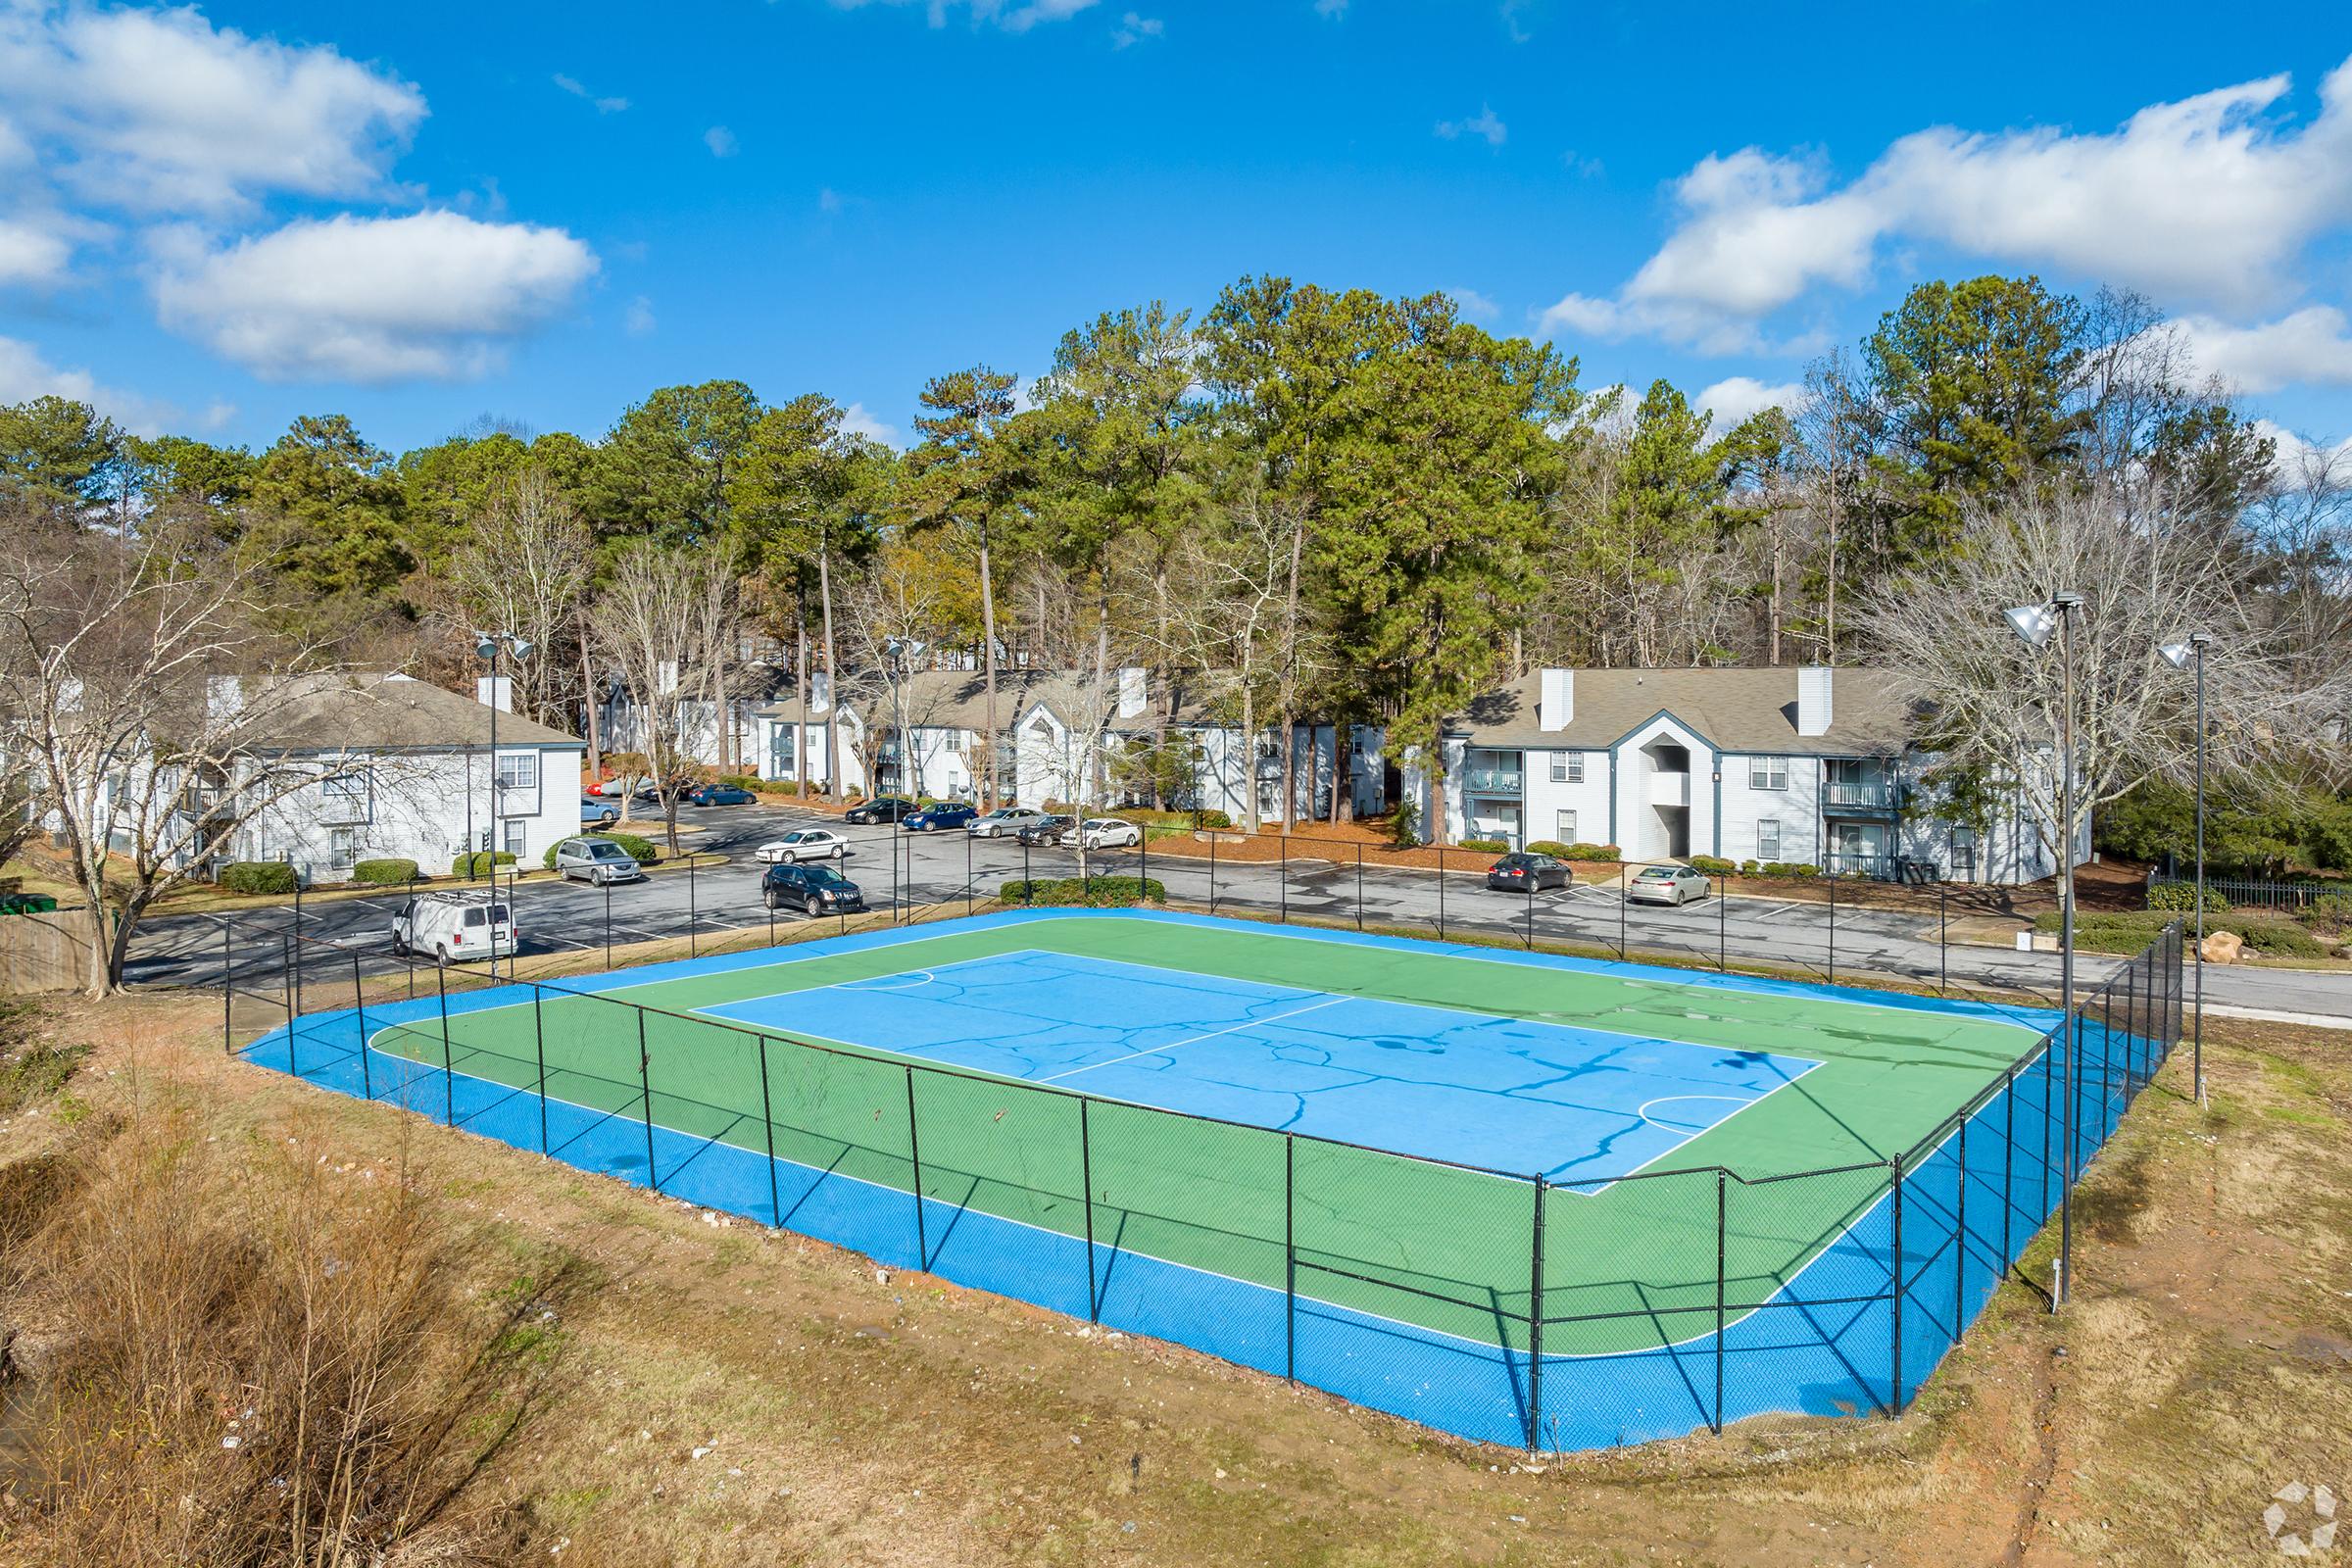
x=1465, y=1185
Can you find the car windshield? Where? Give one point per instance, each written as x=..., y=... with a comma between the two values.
x=1657, y=873
x=607, y=852
x=824, y=876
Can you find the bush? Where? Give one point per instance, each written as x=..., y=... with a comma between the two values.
x=1749, y=868
x=641, y=850
x=2128, y=931
x=1404, y=825
x=1485, y=846
x=479, y=864
x=1149, y=816
x=1804, y=868
x=1551, y=847
x=1712, y=864
x=742, y=781
x=1094, y=892
x=2333, y=909
x=385, y=873
x=2180, y=898
x=1593, y=852
x=259, y=876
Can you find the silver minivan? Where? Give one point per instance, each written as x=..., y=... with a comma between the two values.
x=599, y=862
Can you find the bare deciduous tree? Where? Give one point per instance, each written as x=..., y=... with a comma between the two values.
x=524, y=568
x=651, y=624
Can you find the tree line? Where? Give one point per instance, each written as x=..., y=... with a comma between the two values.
x=1362, y=508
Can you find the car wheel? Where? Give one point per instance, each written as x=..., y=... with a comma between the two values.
x=400, y=945
x=811, y=907
x=441, y=952
x=768, y=898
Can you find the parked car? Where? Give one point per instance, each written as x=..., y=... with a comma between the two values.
x=802, y=844
x=881, y=808
x=940, y=816
x=1108, y=833
x=454, y=926
x=1677, y=885
x=649, y=793
x=811, y=889
x=723, y=794
x=1046, y=830
x=597, y=861
x=1518, y=872
x=597, y=811
x=1003, y=821
x=612, y=789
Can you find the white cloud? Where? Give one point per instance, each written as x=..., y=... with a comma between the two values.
x=24, y=374
x=428, y=296
x=2211, y=200
x=573, y=87
x=2310, y=346
x=1485, y=125
x=159, y=111
x=721, y=141
x=1734, y=397
x=1133, y=29
x=638, y=319
x=1471, y=303
x=1331, y=10
x=2299, y=461
x=34, y=250
x=1013, y=16
x=859, y=420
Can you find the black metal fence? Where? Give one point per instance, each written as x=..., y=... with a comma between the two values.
x=2261, y=893
x=1559, y=1315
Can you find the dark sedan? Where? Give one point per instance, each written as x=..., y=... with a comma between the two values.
x=1518, y=874
x=1046, y=830
x=811, y=889
x=881, y=808
x=723, y=794
x=940, y=818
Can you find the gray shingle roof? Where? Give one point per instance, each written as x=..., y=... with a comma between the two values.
x=957, y=699
x=389, y=712
x=1739, y=711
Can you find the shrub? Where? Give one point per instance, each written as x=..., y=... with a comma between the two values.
x=1551, y=847
x=388, y=872
x=2128, y=931
x=1485, y=846
x=2182, y=897
x=2334, y=909
x=1094, y=892
x=640, y=850
x=1749, y=868
x=259, y=876
x=2282, y=940
x=1404, y=825
x=742, y=781
x=479, y=864
x=1712, y=864
x=1593, y=852
x=1804, y=868
x=1149, y=816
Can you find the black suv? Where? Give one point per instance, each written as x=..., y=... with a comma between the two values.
x=812, y=889
x=881, y=808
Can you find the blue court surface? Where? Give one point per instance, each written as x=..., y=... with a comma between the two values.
x=1505, y=1094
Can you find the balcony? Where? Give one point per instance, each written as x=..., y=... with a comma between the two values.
x=1491, y=781
x=1874, y=797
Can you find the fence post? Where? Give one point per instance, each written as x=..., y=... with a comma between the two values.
x=915, y=1156
x=1441, y=892
x=1723, y=927
x=1960, y=1239
x=644, y=1079
x=1143, y=851
x=608, y=924
x=1894, y=1391
x=359, y=1009
x=2049, y=1119
x=1535, y=1329
x=1943, y=931
x=694, y=916
x=1621, y=947
x=285, y=979
x=449, y=1078
x=768, y=1117
x=1359, y=887
x=1029, y=889
x=1086, y=1175
x=1721, y=1217
x=968, y=874
x=228, y=992
x=1290, y=1257
x=539, y=1042
x=1285, y=879
x=1530, y=936
x=1212, y=870
x=1832, y=925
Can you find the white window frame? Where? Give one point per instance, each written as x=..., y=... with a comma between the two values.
x=346, y=792
x=528, y=763
x=1567, y=767
x=1768, y=773
x=337, y=840
x=1563, y=826
x=1771, y=824
x=517, y=834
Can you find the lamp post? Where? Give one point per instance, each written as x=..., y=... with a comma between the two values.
x=487, y=645
x=2035, y=625
x=2191, y=655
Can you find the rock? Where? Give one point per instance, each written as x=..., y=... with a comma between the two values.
x=2222, y=947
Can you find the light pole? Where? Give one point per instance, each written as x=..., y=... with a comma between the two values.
x=2035, y=625
x=487, y=645
x=2187, y=656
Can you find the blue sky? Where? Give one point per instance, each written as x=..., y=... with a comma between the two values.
x=215, y=219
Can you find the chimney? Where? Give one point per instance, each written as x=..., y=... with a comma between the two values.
x=1813, y=718
x=1130, y=691
x=495, y=691
x=1558, y=706
x=820, y=691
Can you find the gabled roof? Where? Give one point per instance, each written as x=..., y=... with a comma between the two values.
x=1737, y=711
x=957, y=699
x=359, y=712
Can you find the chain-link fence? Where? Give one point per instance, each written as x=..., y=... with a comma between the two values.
x=1503, y=1307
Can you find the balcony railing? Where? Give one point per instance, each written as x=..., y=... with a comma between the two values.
x=1493, y=780
x=1864, y=797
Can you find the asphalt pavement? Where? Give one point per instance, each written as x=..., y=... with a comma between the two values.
x=904, y=871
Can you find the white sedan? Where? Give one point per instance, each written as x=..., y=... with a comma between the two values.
x=1108, y=833
x=802, y=844
x=1003, y=821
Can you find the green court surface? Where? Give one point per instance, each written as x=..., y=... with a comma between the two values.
x=1629, y=1251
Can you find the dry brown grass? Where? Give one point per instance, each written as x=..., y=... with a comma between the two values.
x=733, y=1394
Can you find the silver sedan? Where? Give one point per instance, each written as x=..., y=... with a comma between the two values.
x=1677, y=885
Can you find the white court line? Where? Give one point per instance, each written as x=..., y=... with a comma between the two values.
x=1246, y=1023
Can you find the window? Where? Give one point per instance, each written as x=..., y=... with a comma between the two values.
x=1768, y=772
x=1768, y=838
x=342, y=847
x=1568, y=767
x=1563, y=826
x=346, y=798
x=513, y=835
x=519, y=770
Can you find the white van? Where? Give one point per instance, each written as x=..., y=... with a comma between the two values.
x=455, y=927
